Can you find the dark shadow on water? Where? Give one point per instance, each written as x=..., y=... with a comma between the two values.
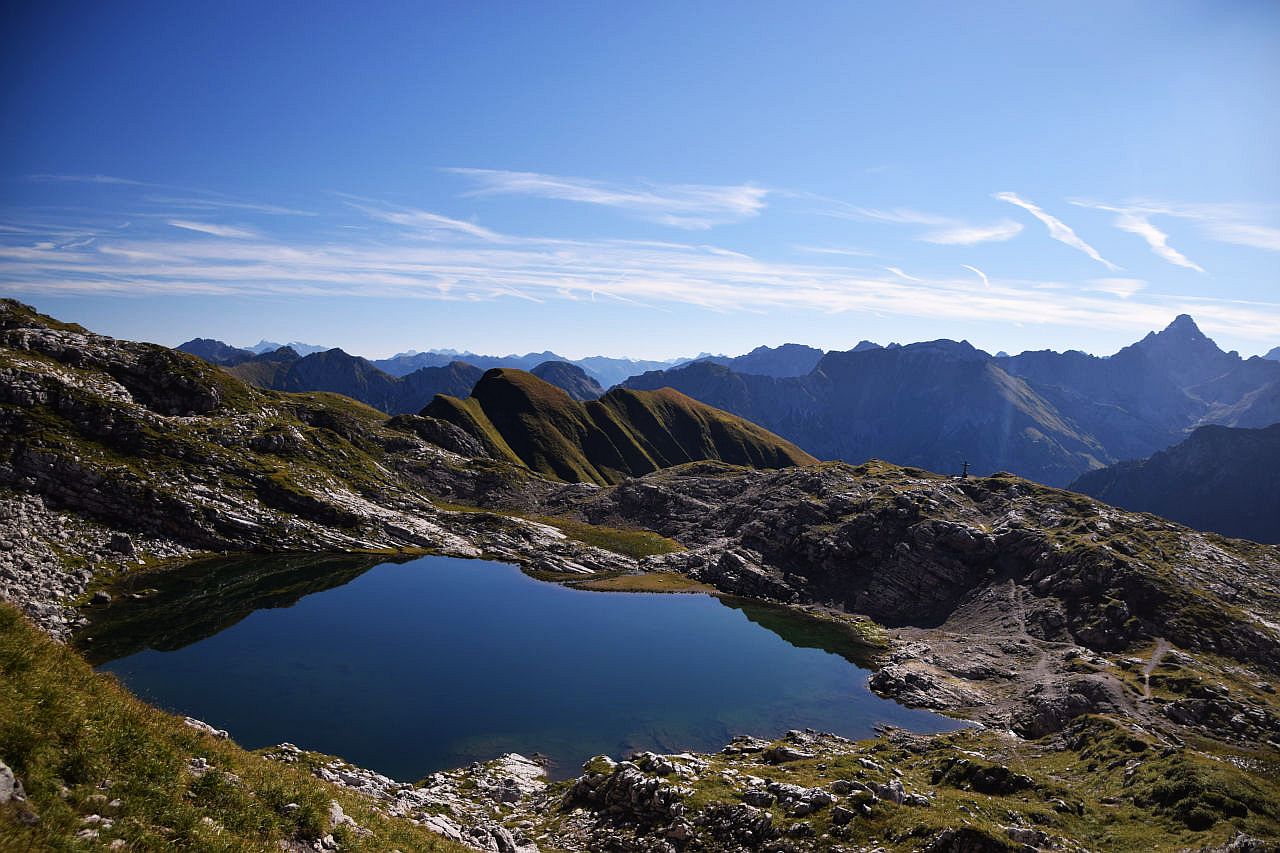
x=806, y=632
x=168, y=609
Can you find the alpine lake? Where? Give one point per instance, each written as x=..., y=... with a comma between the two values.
x=421, y=665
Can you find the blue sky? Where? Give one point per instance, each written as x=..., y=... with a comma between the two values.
x=651, y=179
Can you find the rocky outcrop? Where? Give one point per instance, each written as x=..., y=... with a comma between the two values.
x=467, y=805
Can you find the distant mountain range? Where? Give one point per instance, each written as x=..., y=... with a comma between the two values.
x=520, y=418
x=297, y=346
x=606, y=371
x=1046, y=415
x=1221, y=479
x=784, y=360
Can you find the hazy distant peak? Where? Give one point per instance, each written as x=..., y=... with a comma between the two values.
x=299, y=347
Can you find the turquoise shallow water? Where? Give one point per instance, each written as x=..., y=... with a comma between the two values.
x=413, y=667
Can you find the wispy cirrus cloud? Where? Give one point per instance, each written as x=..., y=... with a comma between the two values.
x=422, y=222
x=214, y=229
x=969, y=235
x=463, y=261
x=947, y=230
x=88, y=179
x=1244, y=234
x=1137, y=220
x=1238, y=224
x=1058, y=229
x=691, y=206
x=219, y=204
x=986, y=282
x=1122, y=287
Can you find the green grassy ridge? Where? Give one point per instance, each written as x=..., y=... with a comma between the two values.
x=626, y=433
x=78, y=740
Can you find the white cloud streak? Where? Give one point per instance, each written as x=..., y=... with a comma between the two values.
x=969, y=235
x=1244, y=234
x=986, y=282
x=1058, y=229
x=215, y=230
x=1122, y=287
x=691, y=206
x=87, y=179
x=948, y=231
x=1136, y=220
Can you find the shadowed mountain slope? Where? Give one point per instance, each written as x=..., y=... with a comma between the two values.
x=360, y=379
x=1219, y=479
x=934, y=405
x=784, y=360
x=569, y=377
x=215, y=352
x=625, y=433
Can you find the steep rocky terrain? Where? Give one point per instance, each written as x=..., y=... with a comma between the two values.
x=1218, y=479
x=1122, y=668
x=625, y=433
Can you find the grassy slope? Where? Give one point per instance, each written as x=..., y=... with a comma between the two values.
x=625, y=433
x=78, y=741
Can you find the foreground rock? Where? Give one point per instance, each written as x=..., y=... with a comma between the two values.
x=896, y=792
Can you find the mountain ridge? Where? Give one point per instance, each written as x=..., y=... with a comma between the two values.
x=625, y=433
x=1047, y=415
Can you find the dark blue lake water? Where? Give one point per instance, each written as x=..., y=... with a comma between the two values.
x=414, y=667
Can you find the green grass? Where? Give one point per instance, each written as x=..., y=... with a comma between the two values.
x=630, y=542
x=648, y=582
x=78, y=741
x=620, y=540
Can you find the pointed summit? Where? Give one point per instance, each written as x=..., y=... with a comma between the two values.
x=1183, y=324
x=1186, y=353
